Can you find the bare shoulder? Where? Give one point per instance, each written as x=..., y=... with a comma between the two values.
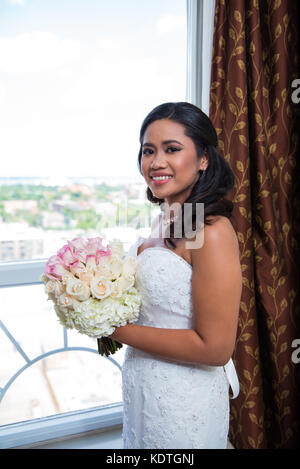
x=222, y=225
x=218, y=237
x=222, y=228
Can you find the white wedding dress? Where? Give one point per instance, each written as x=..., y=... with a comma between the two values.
x=169, y=404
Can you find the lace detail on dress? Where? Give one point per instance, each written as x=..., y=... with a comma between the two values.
x=173, y=405
x=167, y=404
x=171, y=294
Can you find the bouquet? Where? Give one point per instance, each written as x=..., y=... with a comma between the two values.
x=93, y=289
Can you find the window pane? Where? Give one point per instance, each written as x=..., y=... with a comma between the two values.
x=77, y=79
x=61, y=382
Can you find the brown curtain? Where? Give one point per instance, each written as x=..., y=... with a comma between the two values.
x=255, y=61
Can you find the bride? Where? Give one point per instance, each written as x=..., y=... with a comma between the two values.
x=177, y=369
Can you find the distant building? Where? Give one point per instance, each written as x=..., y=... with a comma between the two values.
x=60, y=205
x=20, y=241
x=13, y=206
x=82, y=188
x=53, y=220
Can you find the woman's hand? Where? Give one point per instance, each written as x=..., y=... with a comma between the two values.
x=117, y=334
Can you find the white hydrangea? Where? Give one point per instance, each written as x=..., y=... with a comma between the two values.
x=100, y=318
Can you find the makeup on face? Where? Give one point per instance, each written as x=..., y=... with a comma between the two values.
x=169, y=163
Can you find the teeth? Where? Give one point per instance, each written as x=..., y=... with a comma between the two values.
x=161, y=178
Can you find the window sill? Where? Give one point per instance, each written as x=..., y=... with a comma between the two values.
x=61, y=426
x=19, y=273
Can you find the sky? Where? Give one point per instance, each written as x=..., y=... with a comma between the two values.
x=77, y=77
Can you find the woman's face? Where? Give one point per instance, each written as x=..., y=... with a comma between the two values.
x=166, y=150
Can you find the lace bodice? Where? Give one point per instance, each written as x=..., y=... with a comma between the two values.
x=171, y=404
x=166, y=298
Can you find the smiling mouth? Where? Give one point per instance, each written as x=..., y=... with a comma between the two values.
x=160, y=178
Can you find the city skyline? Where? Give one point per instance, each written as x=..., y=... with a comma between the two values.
x=61, y=180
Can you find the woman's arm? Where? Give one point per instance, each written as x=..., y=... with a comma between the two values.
x=216, y=293
x=178, y=344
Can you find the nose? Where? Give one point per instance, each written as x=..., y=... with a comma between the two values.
x=158, y=161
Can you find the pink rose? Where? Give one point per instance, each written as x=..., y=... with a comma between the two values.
x=78, y=244
x=77, y=268
x=79, y=248
x=55, y=268
x=94, y=244
x=91, y=262
x=102, y=253
x=66, y=255
x=80, y=255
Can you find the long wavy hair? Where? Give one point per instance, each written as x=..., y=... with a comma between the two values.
x=218, y=178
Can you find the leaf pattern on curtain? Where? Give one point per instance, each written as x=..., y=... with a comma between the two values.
x=255, y=59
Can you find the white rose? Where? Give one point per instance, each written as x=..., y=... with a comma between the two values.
x=130, y=265
x=116, y=247
x=91, y=265
x=101, y=287
x=65, y=301
x=54, y=287
x=66, y=277
x=115, y=265
x=126, y=281
x=86, y=278
x=44, y=278
x=78, y=289
x=103, y=268
x=117, y=289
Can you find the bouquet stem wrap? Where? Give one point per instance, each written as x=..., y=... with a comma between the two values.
x=93, y=289
x=107, y=346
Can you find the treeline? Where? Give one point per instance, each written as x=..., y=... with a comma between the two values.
x=37, y=192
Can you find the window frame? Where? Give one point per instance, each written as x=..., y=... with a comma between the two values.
x=20, y=273
x=27, y=272
x=200, y=27
x=60, y=426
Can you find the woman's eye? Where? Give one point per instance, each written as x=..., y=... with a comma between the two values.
x=173, y=149
x=147, y=151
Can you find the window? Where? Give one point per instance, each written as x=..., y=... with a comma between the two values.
x=77, y=78
x=48, y=370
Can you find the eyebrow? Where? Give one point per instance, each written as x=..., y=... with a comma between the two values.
x=165, y=142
